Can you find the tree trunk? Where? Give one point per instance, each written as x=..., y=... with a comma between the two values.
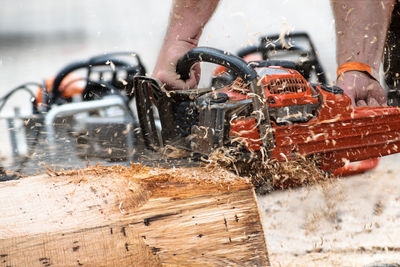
x=131, y=216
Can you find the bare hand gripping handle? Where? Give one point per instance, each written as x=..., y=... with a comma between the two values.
x=212, y=55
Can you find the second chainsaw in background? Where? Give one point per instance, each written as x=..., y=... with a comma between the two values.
x=82, y=114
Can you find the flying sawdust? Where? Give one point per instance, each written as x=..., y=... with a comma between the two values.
x=270, y=174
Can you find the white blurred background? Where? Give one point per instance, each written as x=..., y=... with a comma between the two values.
x=39, y=37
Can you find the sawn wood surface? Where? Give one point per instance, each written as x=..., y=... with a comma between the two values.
x=131, y=216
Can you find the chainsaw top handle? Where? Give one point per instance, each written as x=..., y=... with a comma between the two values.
x=216, y=56
x=101, y=60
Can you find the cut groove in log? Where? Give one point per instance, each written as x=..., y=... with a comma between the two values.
x=131, y=216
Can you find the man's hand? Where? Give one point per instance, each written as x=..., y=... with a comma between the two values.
x=165, y=69
x=187, y=20
x=361, y=28
x=362, y=89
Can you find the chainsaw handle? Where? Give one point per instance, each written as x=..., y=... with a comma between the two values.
x=93, y=62
x=216, y=56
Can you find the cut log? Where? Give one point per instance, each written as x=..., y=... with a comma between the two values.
x=131, y=216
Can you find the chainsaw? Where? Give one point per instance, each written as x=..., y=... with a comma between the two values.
x=269, y=110
x=296, y=47
x=81, y=114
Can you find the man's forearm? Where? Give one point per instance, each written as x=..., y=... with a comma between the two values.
x=186, y=23
x=361, y=28
x=188, y=18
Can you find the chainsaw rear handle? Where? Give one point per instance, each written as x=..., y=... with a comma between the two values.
x=216, y=56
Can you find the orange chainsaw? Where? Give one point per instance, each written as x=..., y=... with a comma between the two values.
x=269, y=109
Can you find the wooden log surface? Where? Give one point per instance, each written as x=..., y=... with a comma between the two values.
x=136, y=216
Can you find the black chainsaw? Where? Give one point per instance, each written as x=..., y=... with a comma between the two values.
x=292, y=50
